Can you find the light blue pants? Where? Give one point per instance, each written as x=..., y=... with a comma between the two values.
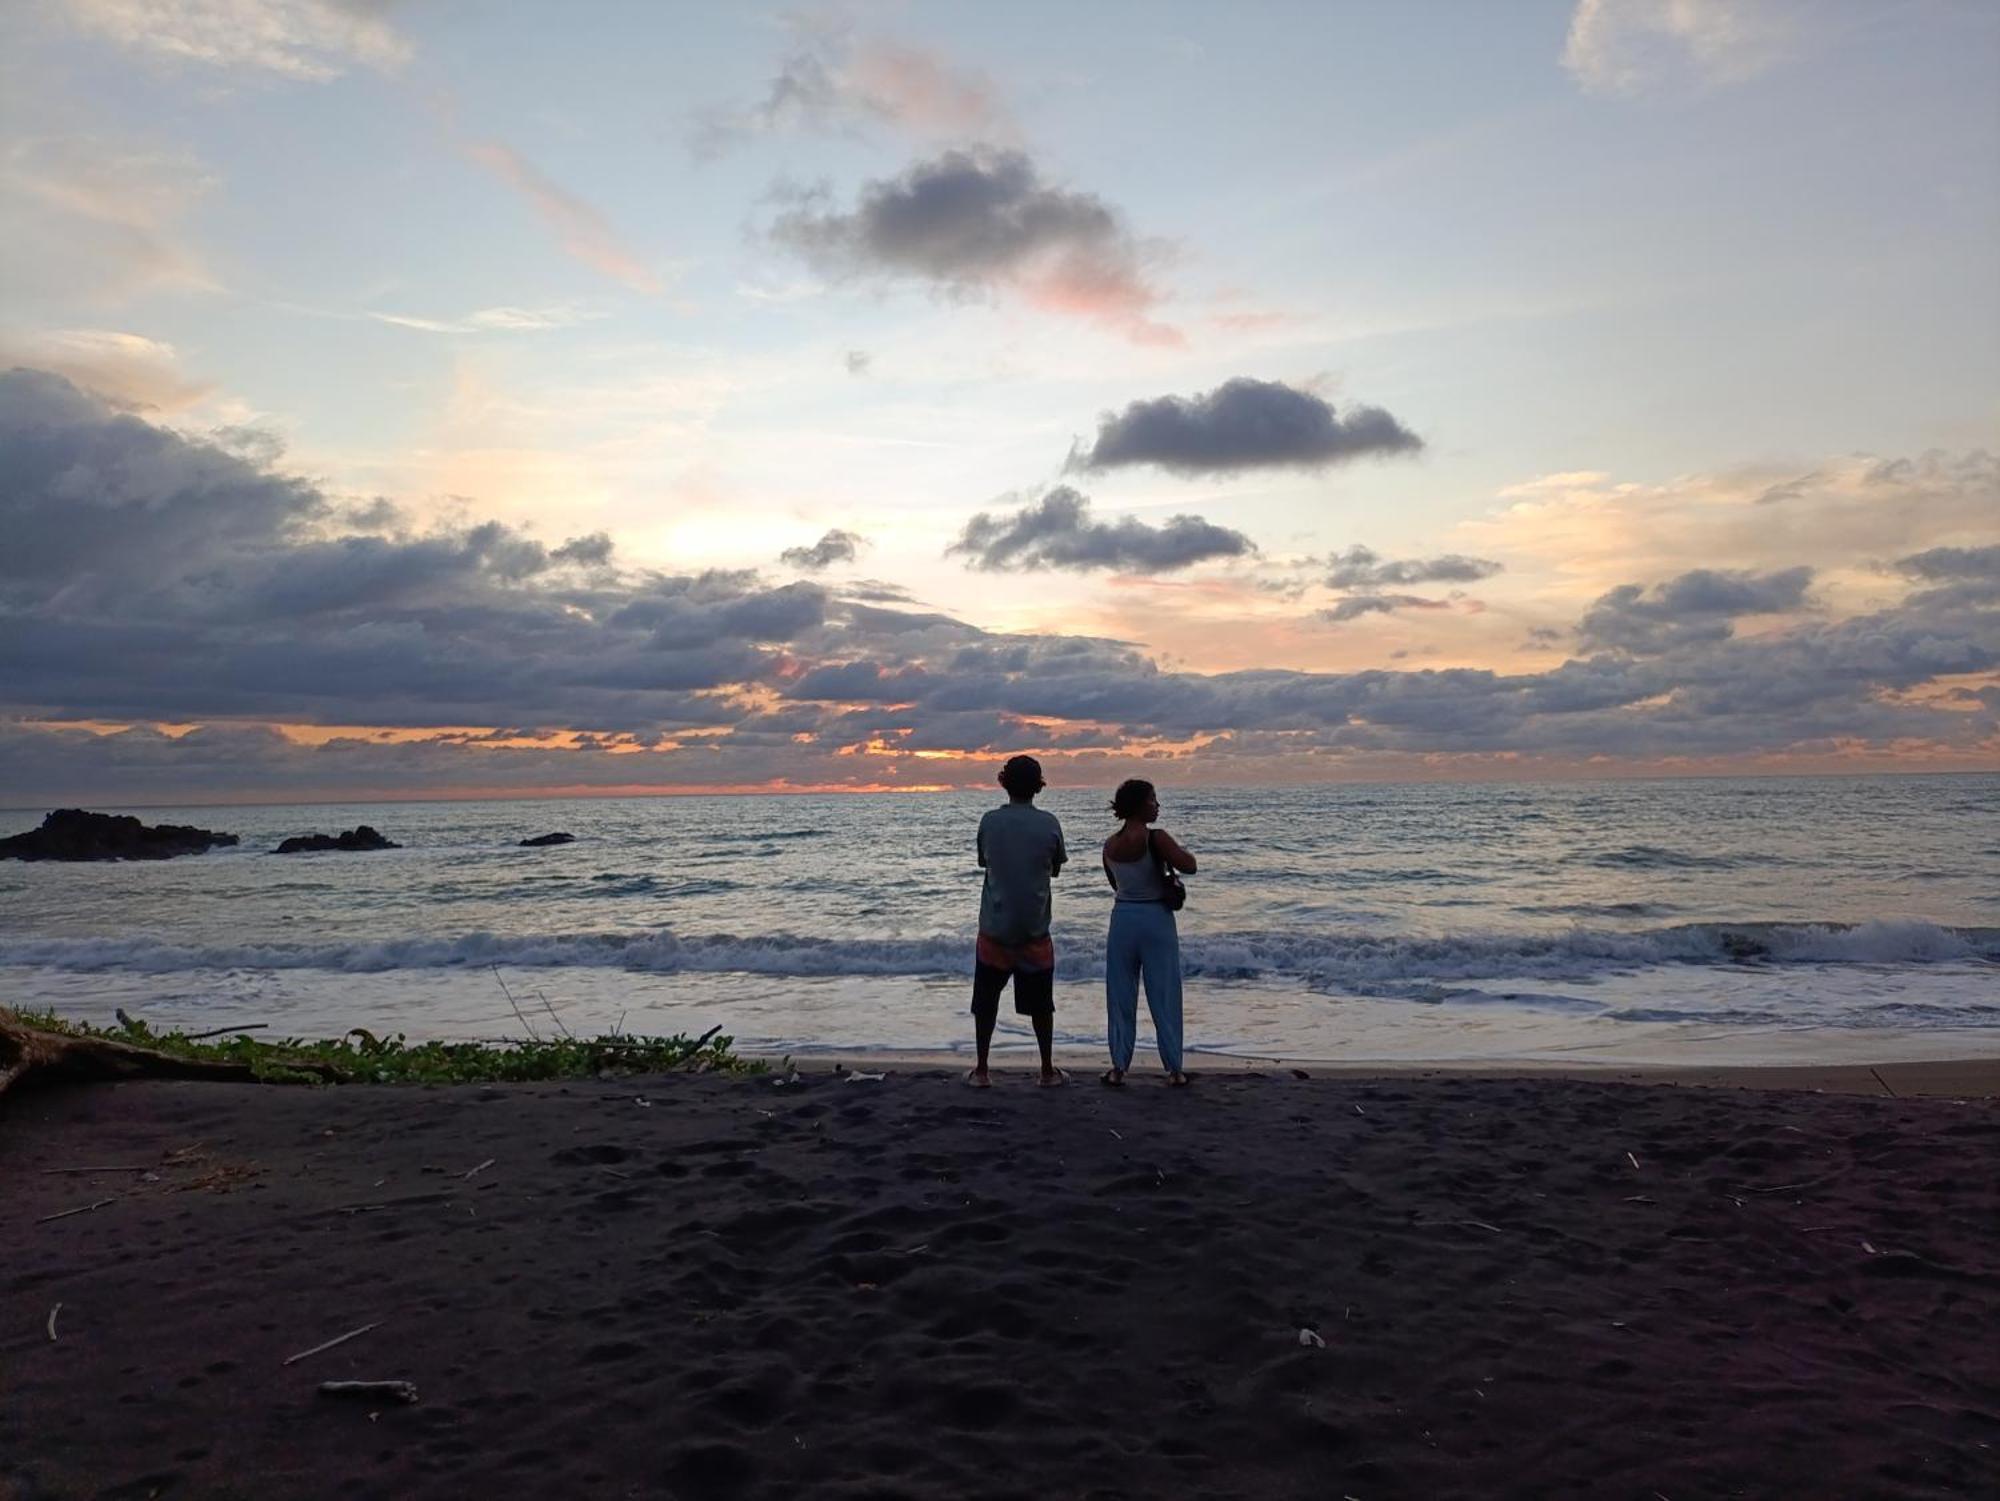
x=1143, y=941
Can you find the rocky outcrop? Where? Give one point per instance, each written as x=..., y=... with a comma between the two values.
x=362, y=838
x=542, y=840
x=72, y=834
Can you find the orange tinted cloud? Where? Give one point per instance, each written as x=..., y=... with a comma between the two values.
x=582, y=231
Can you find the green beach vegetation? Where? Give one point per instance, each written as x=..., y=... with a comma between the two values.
x=361, y=1057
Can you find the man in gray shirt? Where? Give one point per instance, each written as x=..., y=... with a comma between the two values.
x=1020, y=849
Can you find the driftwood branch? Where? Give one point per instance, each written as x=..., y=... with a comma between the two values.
x=338, y=1339
x=29, y=1053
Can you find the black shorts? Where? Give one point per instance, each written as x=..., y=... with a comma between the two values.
x=1034, y=990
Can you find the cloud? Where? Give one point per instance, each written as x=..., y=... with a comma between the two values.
x=310, y=40
x=1960, y=576
x=1242, y=424
x=592, y=551
x=582, y=231
x=1596, y=531
x=129, y=370
x=832, y=84
x=1698, y=606
x=148, y=574
x=1363, y=568
x=1978, y=563
x=1379, y=604
x=1057, y=532
x=836, y=546
x=378, y=515
x=96, y=219
x=493, y=320
x=858, y=361
x=153, y=577
x=981, y=223
x=1625, y=46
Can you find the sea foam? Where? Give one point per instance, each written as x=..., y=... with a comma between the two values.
x=1326, y=958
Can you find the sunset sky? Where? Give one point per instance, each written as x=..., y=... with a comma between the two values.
x=435, y=398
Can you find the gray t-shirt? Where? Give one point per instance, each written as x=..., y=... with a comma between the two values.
x=1021, y=847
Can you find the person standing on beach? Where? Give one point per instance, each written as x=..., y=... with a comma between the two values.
x=1020, y=849
x=1144, y=939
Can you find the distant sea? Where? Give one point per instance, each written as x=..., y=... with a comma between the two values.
x=1671, y=920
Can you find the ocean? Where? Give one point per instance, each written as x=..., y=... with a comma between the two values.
x=1693, y=920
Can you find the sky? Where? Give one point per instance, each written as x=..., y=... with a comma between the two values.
x=430, y=399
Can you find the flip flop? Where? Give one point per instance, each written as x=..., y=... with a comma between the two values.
x=1112, y=1078
x=973, y=1081
x=1061, y=1078
x=1179, y=1080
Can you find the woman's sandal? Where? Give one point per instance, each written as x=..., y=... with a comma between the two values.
x=1112, y=1078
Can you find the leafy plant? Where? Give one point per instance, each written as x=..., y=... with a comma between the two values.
x=363, y=1057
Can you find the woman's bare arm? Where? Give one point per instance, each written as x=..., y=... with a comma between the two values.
x=1171, y=851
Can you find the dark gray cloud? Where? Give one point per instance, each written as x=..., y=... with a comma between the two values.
x=249, y=603
x=1964, y=576
x=1698, y=606
x=148, y=575
x=1364, y=568
x=836, y=546
x=876, y=591
x=1242, y=424
x=1940, y=563
x=94, y=498
x=1379, y=604
x=976, y=223
x=1057, y=532
x=379, y=515
x=593, y=551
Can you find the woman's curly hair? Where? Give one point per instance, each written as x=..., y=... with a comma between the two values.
x=1130, y=800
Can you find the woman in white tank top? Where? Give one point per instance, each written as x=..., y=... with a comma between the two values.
x=1144, y=942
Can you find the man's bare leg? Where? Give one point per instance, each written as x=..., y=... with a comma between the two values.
x=982, y=1036
x=1045, y=1039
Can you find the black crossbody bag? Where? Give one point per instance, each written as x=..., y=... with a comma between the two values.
x=1174, y=894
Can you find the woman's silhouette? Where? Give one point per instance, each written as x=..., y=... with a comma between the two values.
x=1143, y=941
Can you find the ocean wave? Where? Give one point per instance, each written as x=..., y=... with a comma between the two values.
x=1656, y=857
x=751, y=837
x=1364, y=962
x=1598, y=909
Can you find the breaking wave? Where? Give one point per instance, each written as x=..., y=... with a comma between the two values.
x=1363, y=962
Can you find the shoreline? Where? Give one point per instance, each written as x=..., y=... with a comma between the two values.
x=1970, y=1077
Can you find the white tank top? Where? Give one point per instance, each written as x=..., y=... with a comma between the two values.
x=1138, y=880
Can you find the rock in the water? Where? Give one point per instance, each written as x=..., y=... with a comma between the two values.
x=72, y=834
x=362, y=838
x=541, y=839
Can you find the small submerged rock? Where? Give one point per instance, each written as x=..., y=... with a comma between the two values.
x=545, y=839
x=72, y=834
x=361, y=838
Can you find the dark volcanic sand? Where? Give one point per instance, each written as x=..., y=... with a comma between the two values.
x=902, y=1288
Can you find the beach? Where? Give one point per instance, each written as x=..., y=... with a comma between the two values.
x=1352, y=1285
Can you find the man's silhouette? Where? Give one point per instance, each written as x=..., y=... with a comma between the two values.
x=1020, y=848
